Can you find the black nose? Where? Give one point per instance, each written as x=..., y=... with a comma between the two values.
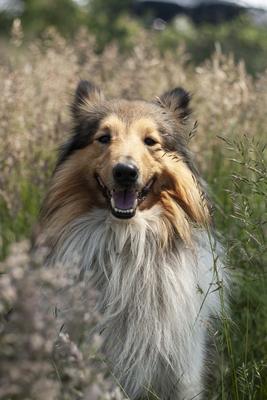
x=125, y=174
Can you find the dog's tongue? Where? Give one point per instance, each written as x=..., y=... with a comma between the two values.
x=124, y=199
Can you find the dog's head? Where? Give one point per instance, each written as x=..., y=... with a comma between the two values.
x=127, y=156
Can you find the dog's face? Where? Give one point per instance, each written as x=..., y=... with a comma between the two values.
x=127, y=156
x=126, y=164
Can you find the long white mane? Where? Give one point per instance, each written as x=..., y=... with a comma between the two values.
x=155, y=300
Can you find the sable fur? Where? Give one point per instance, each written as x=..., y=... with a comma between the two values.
x=159, y=272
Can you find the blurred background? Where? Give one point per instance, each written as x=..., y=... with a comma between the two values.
x=136, y=49
x=238, y=26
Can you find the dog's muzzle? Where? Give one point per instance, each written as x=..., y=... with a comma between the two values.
x=125, y=199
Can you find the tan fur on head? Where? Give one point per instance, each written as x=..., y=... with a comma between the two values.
x=75, y=191
x=183, y=199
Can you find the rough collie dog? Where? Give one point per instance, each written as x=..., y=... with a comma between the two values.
x=126, y=200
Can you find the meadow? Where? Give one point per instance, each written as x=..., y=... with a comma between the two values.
x=228, y=137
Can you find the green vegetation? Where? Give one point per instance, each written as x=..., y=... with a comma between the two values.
x=113, y=21
x=239, y=37
x=239, y=186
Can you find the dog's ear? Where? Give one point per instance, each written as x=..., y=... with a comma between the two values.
x=177, y=101
x=86, y=94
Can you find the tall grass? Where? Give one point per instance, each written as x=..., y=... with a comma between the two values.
x=239, y=192
x=230, y=107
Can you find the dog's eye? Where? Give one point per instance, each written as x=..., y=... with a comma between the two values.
x=104, y=138
x=149, y=141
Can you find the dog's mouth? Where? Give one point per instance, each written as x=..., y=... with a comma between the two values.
x=124, y=202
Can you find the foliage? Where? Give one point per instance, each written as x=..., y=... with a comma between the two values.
x=104, y=17
x=239, y=37
x=113, y=21
x=230, y=106
x=241, y=218
x=36, y=16
x=64, y=14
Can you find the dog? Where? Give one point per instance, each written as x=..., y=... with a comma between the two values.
x=127, y=201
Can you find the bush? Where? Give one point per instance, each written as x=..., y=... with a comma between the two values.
x=240, y=38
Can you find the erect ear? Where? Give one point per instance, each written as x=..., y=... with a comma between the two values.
x=177, y=101
x=86, y=93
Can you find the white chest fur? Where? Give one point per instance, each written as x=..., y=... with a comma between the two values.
x=155, y=301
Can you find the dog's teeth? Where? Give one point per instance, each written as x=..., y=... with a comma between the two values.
x=130, y=211
x=112, y=203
